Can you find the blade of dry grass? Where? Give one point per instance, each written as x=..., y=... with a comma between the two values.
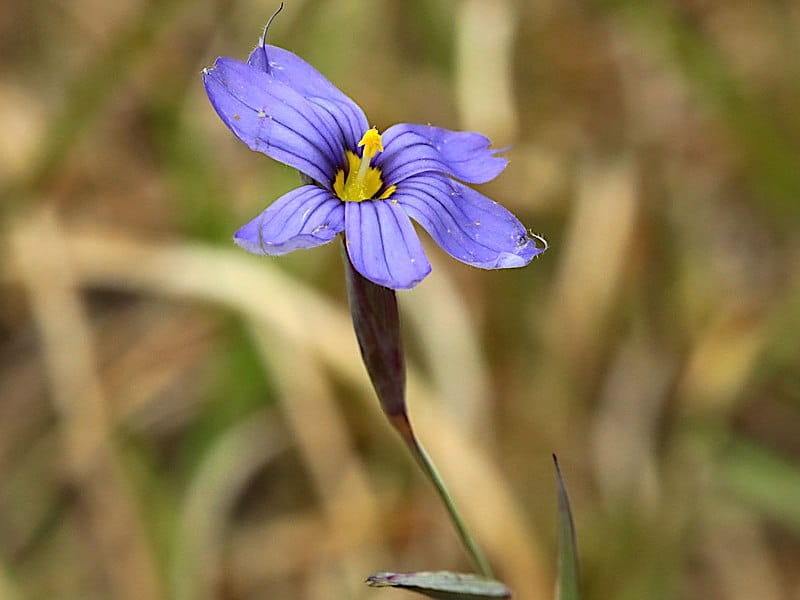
x=449, y=341
x=45, y=269
x=624, y=436
x=217, y=484
x=595, y=251
x=484, y=54
x=325, y=444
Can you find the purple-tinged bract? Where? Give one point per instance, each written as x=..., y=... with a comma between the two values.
x=366, y=185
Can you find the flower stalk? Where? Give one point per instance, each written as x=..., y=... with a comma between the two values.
x=425, y=462
x=366, y=187
x=376, y=322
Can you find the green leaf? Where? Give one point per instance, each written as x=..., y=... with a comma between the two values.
x=443, y=584
x=568, y=571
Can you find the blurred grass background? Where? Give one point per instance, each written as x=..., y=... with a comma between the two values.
x=179, y=419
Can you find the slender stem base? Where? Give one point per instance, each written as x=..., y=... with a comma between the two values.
x=403, y=426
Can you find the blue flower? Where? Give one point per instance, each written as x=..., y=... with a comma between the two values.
x=360, y=182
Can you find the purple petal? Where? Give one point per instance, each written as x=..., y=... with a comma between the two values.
x=467, y=224
x=413, y=149
x=292, y=70
x=303, y=218
x=383, y=245
x=272, y=118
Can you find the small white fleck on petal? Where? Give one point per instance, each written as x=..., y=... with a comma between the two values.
x=262, y=114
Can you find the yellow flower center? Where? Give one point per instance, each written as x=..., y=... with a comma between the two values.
x=362, y=181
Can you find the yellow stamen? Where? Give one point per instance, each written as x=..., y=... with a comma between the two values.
x=362, y=181
x=372, y=143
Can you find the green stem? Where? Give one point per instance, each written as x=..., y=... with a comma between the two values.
x=424, y=461
x=377, y=326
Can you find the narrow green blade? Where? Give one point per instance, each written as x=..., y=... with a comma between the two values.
x=443, y=585
x=568, y=572
x=764, y=479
